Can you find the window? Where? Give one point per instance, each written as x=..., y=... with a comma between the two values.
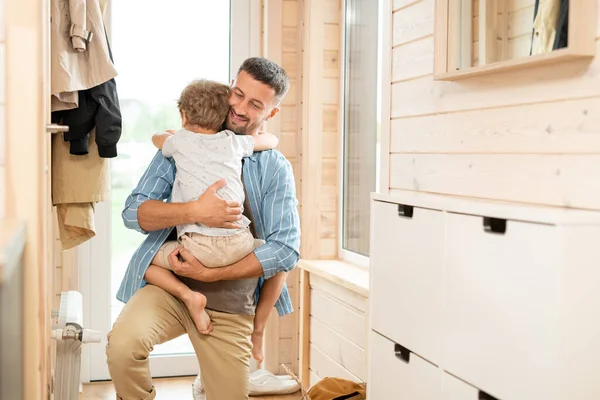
x=362, y=123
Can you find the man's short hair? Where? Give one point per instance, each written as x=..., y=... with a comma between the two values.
x=268, y=72
x=205, y=103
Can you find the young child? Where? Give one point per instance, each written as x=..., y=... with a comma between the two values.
x=203, y=155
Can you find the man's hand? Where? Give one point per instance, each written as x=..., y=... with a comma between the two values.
x=190, y=267
x=213, y=211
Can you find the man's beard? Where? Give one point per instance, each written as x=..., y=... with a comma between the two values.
x=248, y=129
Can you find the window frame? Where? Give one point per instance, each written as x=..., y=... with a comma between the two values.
x=345, y=254
x=582, y=43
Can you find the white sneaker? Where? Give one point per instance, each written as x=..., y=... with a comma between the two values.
x=261, y=374
x=261, y=383
x=198, y=390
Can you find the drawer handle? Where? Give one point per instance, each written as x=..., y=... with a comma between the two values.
x=494, y=225
x=402, y=353
x=485, y=396
x=405, y=211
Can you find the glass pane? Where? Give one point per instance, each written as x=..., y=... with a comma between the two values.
x=158, y=48
x=361, y=121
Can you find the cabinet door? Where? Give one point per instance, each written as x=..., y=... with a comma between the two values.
x=456, y=389
x=396, y=373
x=502, y=314
x=407, y=275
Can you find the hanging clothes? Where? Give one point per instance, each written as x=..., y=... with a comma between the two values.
x=78, y=182
x=83, y=86
x=550, y=26
x=84, y=67
x=84, y=97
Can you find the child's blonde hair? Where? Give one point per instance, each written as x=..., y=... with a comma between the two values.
x=205, y=103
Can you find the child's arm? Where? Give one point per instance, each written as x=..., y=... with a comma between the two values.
x=158, y=139
x=265, y=141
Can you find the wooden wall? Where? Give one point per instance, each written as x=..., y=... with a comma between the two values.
x=27, y=189
x=332, y=111
x=338, y=332
x=285, y=42
x=282, y=41
x=531, y=136
x=310, y=44
x=335, y=316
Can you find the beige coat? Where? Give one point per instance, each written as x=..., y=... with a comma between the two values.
x=78, y=182
x=79, y=51
x=80, y=60
x=544, y=26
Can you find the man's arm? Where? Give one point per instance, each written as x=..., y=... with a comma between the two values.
x=280, y=253
x=155, y=185
x=145, y=209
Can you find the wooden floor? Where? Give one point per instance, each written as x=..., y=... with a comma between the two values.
x=166, y=389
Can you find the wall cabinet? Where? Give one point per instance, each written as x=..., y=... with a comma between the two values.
x=482, y=300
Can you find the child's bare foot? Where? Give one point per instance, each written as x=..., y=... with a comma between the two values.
x=257, y=345
x=195, y=303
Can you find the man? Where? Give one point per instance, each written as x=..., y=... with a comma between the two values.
x=151, y=316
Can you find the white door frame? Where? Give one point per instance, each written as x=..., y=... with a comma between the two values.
x=94, y=256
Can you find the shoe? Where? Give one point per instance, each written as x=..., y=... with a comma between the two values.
x=261, y=373
x=198, y=390
x=261, y=383
x=264, y=383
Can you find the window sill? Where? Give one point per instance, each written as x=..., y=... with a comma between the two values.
x=350, y=276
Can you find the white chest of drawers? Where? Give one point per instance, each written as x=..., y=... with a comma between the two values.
x=482, y=300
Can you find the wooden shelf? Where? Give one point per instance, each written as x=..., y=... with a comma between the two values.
x=350, y=276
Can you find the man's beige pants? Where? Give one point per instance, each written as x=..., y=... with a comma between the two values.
x=151, y=317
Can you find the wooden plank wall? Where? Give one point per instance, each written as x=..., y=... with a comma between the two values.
x=311, y=117
x=336, y=317
x=27, y=185
x=531, y=136
x=285, y=43
x=338, y=332
x=332, y=111
x=281, y=38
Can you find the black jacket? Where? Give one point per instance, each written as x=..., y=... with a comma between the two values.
x=99, y=108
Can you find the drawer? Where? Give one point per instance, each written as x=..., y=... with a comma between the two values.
x=407, y=255
x=396, y=374
x=455, y=389
x=502, y=318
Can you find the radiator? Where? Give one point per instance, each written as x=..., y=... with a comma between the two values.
x=70, y=335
